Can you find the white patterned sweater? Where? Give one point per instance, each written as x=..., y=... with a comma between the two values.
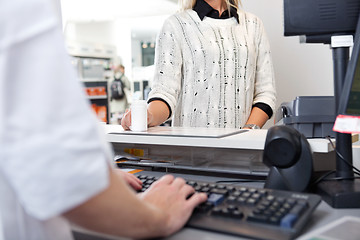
x=212, y=72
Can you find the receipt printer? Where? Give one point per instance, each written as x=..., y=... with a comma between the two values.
x=313, y=116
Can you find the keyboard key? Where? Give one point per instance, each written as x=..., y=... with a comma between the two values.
x=288, y=220
x=265, y=203
x=257, y=218
x=205, y=189
x=236, y=194
x=261, y=208
x=204, y=207
x=243, y=189
x=270, y=198
x=215, y=199
x=291, y=201
x=231, y=207
x=237, y=214
x=241, y=200
x=225, y=212
x=231, y=199
x=191, y=183
x=230, y=188
x=246, y=195
x=212, y=185
x=219, y=191
x=252, y=190
x=251, y=201
x=256, y=196
x=298, y=209
x=262, y=192
x=274, y=220
x=282, y=211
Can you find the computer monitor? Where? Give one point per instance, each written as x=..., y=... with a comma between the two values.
x=320, y=21
x=321, y=16
x=350, y=97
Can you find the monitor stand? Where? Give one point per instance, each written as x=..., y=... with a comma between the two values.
x=341, y=193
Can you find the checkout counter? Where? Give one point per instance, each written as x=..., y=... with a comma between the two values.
x=214, y=151
x=208, y=154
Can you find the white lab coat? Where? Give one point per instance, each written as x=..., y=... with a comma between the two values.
x=52, y=157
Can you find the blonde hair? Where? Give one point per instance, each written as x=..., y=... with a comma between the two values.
x=189, y=4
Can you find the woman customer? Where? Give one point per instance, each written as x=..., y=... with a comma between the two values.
x=213, y=69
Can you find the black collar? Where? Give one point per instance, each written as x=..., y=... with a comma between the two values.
x=203, y=9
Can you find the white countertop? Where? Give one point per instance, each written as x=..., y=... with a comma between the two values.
x=201, y=137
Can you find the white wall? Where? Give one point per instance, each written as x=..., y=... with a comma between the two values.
x=300, y=69
x=93, y=32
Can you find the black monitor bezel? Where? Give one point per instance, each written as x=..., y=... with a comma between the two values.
x=350, y=73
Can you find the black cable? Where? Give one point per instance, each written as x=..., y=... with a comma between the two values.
x=355, y=170
x=340, y=178
x=323, y=177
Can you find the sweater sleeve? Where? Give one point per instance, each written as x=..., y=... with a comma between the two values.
x=264, y=90
x=168, y=65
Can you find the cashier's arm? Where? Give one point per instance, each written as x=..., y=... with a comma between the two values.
x=160, y=211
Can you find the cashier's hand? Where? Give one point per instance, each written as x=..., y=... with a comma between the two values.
x=131, y=179
x=170, y=197
x=126, y=120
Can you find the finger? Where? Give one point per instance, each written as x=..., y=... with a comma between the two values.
x=134, y=184
x=187, y=190
x=137, y=179
x=129, y=118
x=134, y=178
x=167, y=179
x=179, y=182
x=123, y=123
x=196, y=199
x=126, y=121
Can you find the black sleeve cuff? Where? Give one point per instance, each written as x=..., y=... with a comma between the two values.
x=266, y=108
x=160, y=99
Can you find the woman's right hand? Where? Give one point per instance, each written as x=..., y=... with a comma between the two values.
x=126, y=119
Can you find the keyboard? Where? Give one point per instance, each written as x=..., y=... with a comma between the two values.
x=247, y=211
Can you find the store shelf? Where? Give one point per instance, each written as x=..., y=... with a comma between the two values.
x=92, y=63
x=93, y=80
x=97, y=97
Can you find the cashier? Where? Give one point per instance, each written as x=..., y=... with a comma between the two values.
x=213, y=68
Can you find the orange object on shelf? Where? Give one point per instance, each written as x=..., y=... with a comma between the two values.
x=101, y=91
x=94, y=107
x=101, y=113
x=91, y=91
x=95, y=91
